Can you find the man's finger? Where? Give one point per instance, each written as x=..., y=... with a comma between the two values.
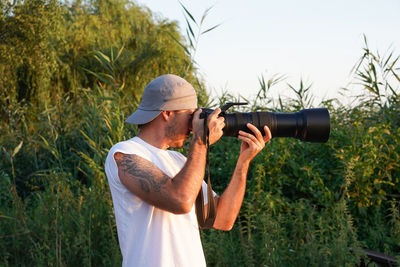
x=246, y=139
x=251, y=141
x=197, y=113
x=268, y=134
x=256, y=132
x=248, y=135
x=215, y=113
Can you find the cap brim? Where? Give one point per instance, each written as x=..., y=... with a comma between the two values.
x=142, y=116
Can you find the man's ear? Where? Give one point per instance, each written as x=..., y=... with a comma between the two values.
x=166, y=114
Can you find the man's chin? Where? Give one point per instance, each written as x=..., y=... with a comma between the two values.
x=181, y=142
x=178, y=145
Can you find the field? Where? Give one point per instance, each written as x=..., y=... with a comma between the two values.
x=70, y=75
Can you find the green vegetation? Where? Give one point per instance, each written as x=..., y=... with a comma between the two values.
x=70, y=74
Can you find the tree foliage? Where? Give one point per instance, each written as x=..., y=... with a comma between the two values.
x=47, y=46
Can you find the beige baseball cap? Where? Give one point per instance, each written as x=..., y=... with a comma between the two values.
x=167, y=92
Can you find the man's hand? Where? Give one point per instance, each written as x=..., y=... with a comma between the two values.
x=215, y=125
x=253, y=144
x=231, y=200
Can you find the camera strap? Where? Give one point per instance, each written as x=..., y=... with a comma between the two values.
x=206, y=222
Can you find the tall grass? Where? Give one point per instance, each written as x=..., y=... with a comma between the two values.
x=63, y=215
x=305, y=204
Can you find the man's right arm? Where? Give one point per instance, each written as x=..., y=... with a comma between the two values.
x=144, y=179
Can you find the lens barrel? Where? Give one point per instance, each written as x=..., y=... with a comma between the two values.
x=310, y=125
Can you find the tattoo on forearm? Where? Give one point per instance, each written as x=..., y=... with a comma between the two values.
x=145, y=186
x=148, y=175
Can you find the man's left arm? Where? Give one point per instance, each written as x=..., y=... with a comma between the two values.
x=229, y=203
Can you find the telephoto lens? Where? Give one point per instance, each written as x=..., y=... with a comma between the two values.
x=310, y=125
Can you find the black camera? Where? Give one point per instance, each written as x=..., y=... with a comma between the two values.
x=310, y=125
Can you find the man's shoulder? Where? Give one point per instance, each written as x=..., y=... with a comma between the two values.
x=177, y=155
x=131, y=146
x=130, y=143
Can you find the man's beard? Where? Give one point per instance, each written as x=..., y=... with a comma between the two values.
x=172, y=135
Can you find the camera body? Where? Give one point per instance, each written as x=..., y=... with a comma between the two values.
x=310, y=125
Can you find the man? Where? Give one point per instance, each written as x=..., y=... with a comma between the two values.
x=154, y=189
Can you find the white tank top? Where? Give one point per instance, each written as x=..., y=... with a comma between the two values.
x=149, y=236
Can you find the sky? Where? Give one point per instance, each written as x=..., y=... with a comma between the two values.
x=315, y=41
